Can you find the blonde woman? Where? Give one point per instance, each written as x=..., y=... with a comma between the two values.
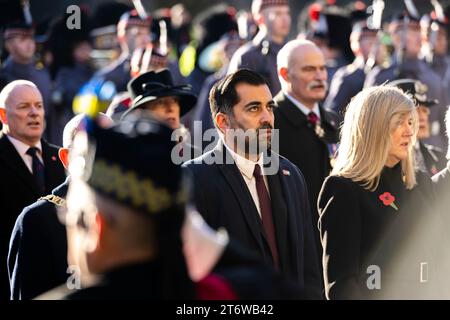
x=374, y=221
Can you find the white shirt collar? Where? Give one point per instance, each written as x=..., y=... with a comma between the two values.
x=22, y=147
x=302, y=107
x=244, y=165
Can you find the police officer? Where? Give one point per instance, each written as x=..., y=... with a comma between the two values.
x=429, y=159
x=349, y=80
x=260, y=55
x=439, y=62
x=329, y=27
x=404, y=29
x=20, y=64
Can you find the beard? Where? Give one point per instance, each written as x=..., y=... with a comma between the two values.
x=251, y=141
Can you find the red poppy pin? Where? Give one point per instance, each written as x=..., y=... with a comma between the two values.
x=388, y=200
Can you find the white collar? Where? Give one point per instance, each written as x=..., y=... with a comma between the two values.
x=22, y=147
x=302, y=107
x=244, y=165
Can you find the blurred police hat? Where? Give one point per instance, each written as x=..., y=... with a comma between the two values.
x=133, y=19
x=104, y=24
x=259, y=5
x=417, y=89
x=18, y=29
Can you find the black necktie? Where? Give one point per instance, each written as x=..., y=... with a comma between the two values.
x=38, y=169
x=266, y=214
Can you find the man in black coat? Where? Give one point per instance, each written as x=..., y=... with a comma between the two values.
x=37, y=258
x=28, y=165
x=264, y=207
x=308, y=132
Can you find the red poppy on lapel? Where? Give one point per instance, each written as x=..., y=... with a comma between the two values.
x=388, y=199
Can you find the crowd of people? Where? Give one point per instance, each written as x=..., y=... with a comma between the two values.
x=140, y=160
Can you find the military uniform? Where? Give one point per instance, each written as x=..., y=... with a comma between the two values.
x=410, y=68
x=37, y=259
x=118, y=72
x=68, y=83
x=345, y=84
x=441, y=66
x=12, y=70
x=429, y=159
x=418, y=70
x=259, y=55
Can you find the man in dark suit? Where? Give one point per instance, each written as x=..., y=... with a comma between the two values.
x=308, y=132
x=37, y=258
x=264, y=207
x=28, y=165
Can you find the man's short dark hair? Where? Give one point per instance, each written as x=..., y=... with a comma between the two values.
x=223, y=95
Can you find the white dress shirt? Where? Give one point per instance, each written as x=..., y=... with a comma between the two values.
x=302, y=107
x=247, y=167
x=22, y=149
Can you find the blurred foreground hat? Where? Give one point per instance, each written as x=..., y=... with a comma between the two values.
x=131, y=164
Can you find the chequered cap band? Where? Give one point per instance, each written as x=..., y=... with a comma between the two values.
x=18, y=32
x=259, y=5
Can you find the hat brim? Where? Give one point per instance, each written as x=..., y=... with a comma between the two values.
x=427, y=103
x=187, y=100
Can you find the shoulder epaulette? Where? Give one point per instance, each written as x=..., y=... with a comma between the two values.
x=54, y=199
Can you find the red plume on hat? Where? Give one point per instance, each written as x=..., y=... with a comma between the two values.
x=314, y=11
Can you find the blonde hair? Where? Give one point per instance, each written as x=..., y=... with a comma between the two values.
x=365, y=137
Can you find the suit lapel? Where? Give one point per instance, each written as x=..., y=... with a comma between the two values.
x=234, y=178
x=291, y=229
x=50, y=163
x=330, y=124
x=13, y=159
x=290, y=111
x=280, y=215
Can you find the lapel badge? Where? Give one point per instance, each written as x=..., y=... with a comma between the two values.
x=286, y=172
x=319, y=130
x=53, y=158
